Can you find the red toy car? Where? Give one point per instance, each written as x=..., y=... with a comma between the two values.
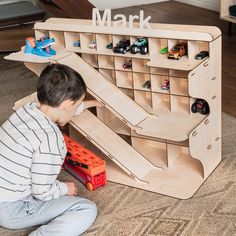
x=84, y=165
x=165, y=85
x=128, y=65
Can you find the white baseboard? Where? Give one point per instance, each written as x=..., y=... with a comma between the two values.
x=213, y=5
x=103, y=4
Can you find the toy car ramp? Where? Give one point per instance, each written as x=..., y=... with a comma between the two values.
x=120, y=152
x=113, y=98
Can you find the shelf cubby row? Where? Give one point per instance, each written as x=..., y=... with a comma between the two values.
x=97, y=43
x=139, y=81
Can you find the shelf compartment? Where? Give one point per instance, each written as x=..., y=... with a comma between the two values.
x=144, y=99
x=124, y=79
x=120, y=61
x=102, y=41
x=154, y=151
x=179, y=86
x=175, y=152
x=71, y=38
x=156, y=81
x=92, y=59
x=180, y=104
x=59, y=39
x=159, y=71
x=106, y=62
x=178, y=73
x=139, y=80
x=109, y=74
x=160, y=102
x=140, y=65
x=194, y=47
x=112, y=121
x=118, y=38
x=41, y=33
x=86, y=39
x=156, y=44
x=128, y=92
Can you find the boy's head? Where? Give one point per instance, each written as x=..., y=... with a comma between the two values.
x=58, y=83
x=60, y=91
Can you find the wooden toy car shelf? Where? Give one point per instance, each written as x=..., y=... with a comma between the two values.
x=150, y=137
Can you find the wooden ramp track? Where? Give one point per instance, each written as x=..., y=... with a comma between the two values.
x=120, y=152
x=106, y=92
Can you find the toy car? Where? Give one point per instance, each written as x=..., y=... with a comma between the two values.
x=128, y=65
x=140, y=45
x=76, y=44
x=201, y=55
x=178, y=51
x=41, y=47
x=147, y=84
x=109, y=46
x=92, y=45
x=165, y=85
x=84, y=165
x=200, y=106
x=164, y=50
x=122, y=46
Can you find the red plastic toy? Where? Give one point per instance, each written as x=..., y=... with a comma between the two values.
x=84, y=165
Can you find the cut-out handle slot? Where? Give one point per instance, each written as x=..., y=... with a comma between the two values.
x=209, y=147
x=194, y=133
x=206, y=122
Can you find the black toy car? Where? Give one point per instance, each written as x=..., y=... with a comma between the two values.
x=200, y=106
x=202, y=55
x=147, y=84
x=140, y=45
x=122, y=46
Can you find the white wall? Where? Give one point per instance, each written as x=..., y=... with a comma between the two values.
x=208, y=4
x=113, y=4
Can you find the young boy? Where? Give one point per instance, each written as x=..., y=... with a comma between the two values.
x=32, y=150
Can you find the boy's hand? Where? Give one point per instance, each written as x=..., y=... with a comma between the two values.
x=72, y=189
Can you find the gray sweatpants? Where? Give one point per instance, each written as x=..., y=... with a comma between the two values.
x=65, y=216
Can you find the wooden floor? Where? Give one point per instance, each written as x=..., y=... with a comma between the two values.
x=166, y=12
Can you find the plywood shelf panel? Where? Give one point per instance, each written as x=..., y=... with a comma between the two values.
x=174, y=125
x=185, y=170
x=183, y=64
x=25, y=57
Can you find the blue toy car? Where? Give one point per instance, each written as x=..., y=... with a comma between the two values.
x=41, y=47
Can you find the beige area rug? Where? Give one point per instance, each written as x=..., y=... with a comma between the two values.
x=126, y=211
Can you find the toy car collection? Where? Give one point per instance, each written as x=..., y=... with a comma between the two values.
x=76, y=44
x=201, y=55
x=41, y=47
x=128, y=65
x=165, y=84
x=200, y=106
x=84, y=165
x=92, y=45
x=178, y=51
x=122, y=46
x=140, y=45
x=147, y=84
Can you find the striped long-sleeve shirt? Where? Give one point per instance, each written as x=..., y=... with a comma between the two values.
x=32, y=150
